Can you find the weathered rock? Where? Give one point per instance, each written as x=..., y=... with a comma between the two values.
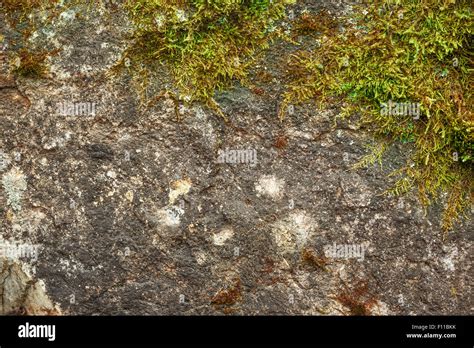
x=136, y=216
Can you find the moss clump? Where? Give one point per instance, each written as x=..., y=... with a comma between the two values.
x=409, y=54
x=205, y=43
x=31, y=64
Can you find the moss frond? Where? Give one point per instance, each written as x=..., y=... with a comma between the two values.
x=206, y=44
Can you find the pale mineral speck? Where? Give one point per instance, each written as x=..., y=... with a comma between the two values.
x=111, y=174
x=221, y=237
x=170, y=216
x=293, y=232
x=179, y=188
x=270, y=186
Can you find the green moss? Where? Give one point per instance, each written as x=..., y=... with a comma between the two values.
x=206, y=44
x=405, y=51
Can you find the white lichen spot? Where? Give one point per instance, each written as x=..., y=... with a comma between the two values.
x=111, y=174
x=170, y=216
x=200, y=257
x=4, y=161
x=71, y=266
x=221, y=237
x=59, y=141
x=292, y=233
x=270, y=186
x=449, y=259
x=179, y=188
x=14, y=184
x=67, y=16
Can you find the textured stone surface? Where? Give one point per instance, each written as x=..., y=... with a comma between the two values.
x=135, y=216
